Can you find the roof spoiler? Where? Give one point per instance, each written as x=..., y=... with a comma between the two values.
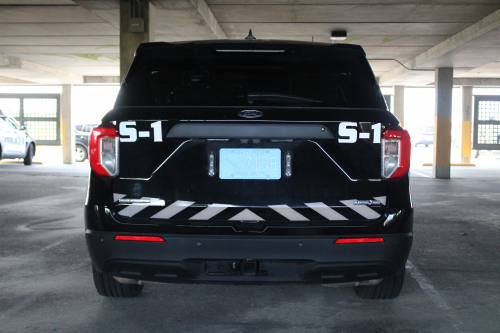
x=152, y=45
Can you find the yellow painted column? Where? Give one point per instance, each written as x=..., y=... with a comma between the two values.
x=67, y=128
x=442, y=123
x=466, y=123
x=399, y=104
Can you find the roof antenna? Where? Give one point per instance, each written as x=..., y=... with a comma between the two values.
x=250, y=36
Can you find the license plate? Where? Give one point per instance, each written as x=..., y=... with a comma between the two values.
x=250, y=163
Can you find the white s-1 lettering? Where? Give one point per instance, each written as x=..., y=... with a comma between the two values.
x=128, y=131
x=352, y=133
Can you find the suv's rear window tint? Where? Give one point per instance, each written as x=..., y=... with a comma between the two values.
x=251, y=79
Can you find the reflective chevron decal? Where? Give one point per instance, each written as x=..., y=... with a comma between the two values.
x=172, y=210
x=326, y=211
x=362, y=210
x=246, y=215
x=209, y=212
x=289, y=213
x=344, y=210
x=135, y=208
x=117, y=196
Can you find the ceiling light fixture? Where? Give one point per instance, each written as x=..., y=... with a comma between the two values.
x=338, y=35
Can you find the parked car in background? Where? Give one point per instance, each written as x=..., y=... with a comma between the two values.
x=82, y=141
x=425, y=136
x=15, y=142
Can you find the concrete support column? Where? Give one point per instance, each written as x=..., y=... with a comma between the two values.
x=129, y=41
x=442, y=123
x=68, y=130
x=466, y=123
x=399, y=104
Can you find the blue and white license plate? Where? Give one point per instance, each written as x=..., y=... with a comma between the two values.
x=250, y=163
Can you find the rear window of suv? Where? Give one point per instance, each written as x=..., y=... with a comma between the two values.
x=228, y=77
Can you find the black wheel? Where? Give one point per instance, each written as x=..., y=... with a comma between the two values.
x=107, y=286
x=28, y=159
x=388, y=288
x=80, y=153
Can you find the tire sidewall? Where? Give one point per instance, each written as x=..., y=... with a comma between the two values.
x=85, y=153
x=28, y=160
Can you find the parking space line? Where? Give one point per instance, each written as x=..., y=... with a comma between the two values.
x=426, y=285
x=20, y=306
x=420, y=174
x=48, y=247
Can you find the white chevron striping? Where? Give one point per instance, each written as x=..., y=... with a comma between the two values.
x=246, y=215
x=117, y=196
x=326, y=211
x=135, y=208
x=362, y=210
x=382, y=200
x=172, y=210
x=210, y=212
x=289, y=213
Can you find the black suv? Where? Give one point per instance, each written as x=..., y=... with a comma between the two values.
x=249, y=162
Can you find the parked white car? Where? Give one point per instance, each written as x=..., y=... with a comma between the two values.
x=15, y=142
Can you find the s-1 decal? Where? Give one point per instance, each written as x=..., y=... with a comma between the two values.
x=130, y=132
x=350, y=130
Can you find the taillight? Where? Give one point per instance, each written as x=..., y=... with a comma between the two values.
x=396, y=150
x=103, y=150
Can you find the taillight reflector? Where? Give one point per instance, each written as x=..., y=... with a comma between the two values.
x=139, y=238
x=103, y=150
x=359, y=240
x=396, y=153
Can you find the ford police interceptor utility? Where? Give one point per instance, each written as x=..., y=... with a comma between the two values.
x=249, y=162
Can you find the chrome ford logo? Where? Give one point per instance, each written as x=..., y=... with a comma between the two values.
x=250, y=114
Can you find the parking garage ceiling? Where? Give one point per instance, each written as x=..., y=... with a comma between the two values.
x=76, y=41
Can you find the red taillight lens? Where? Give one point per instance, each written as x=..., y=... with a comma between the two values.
x=139, y=238
x=396, y=151
x=103, y=150
x=359, y=240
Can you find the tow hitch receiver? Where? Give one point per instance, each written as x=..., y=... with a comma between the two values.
x=249, y=267
x=233, y=267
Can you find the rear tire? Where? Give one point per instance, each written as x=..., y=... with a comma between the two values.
x=107, y=286
x=80, y=153
x=387, y=289
x=28, y=159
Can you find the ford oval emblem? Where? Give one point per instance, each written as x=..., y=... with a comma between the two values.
x=250, y=114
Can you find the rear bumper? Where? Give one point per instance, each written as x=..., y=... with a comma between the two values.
x=248, y=259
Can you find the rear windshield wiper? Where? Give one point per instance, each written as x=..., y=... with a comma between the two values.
x=270, y=97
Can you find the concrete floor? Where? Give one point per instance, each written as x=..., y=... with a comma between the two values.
x=452, y=281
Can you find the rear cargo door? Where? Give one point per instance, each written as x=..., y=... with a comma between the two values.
x=275, y=171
